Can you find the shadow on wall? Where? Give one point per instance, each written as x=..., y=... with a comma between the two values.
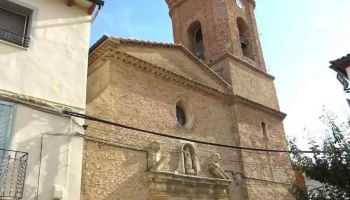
x=47, y=161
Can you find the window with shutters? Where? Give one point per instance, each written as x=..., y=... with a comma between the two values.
x=14, y=23
x=6, y=118
x=12, y=163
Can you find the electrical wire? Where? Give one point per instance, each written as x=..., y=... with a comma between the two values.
x=234, y=174
x=87, y=117
x=172, y=152
x=131, y=140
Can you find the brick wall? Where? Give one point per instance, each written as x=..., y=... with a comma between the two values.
x=275, y=168
x=144, y=101
x=113, y=173
x=219, y=27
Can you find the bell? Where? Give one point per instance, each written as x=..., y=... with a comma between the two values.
x=243, y=42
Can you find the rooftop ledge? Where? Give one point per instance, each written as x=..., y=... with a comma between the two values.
x=184, y=185
x=90, y=5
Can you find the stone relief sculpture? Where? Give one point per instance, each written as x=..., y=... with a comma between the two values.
x=215, y=169
x=188, y=161
x=185, y=181
x=155, y=160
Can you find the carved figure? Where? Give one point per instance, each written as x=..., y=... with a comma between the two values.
x=188, y=162
x=215, y=168
x=155, y=160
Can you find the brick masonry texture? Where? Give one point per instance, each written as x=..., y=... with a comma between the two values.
x=115, y=164
x=142, y=100
x=218, y=20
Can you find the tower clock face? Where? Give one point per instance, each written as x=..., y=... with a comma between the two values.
x=239, y=3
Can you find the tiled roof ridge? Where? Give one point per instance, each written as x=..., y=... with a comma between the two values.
x=132, y=40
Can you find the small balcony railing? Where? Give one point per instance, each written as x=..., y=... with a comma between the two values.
x=14, y=38
x=13, y=165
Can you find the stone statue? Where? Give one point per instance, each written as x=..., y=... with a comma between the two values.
x=188, y=161
x=215, y=168
x=155, y=159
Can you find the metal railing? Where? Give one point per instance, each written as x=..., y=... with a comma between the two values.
x=14, y=38
x=13, y=165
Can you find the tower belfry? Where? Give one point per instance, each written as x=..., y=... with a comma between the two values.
x=224, y=35
x=212, y=28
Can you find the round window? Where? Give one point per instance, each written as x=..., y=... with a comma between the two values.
x=180, y=115
x=239, y=3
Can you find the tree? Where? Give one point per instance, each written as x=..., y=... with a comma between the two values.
x=328, y=162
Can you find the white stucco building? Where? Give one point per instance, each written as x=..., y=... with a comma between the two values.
x=44, y=48
x=313, y=186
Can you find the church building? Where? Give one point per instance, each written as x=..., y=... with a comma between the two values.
x=190, y=120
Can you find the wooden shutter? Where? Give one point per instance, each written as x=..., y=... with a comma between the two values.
x=12, y=26
x=6, y=117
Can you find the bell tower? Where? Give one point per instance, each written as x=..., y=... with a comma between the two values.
x=212, y=28
x=224, y=35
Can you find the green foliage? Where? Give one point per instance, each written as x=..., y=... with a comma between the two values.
x=329, y=162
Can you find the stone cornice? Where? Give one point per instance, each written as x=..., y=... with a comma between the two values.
x=101, y=50
x=252, y=2
x=173, y=4
x=241, y=100
x=112, y=43
x=159, y=176
x=249, y=65
x=167, y=184
x=165, y=74
x=184, y=50
x=38, y=104
x=107, y=50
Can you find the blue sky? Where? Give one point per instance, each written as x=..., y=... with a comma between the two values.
x=299, y=38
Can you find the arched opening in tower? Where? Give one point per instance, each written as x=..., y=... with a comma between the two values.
x=245, y=39
x=195, y=38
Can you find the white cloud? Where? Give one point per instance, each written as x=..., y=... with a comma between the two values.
x=320, y=21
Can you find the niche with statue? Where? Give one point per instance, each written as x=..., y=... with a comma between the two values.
x=188, y=161
x=185, y=180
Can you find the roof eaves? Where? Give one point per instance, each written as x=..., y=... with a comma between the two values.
x=97, y=43
x=336, y=63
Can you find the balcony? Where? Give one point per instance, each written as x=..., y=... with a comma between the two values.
x=14, y=38
x=13, y=166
